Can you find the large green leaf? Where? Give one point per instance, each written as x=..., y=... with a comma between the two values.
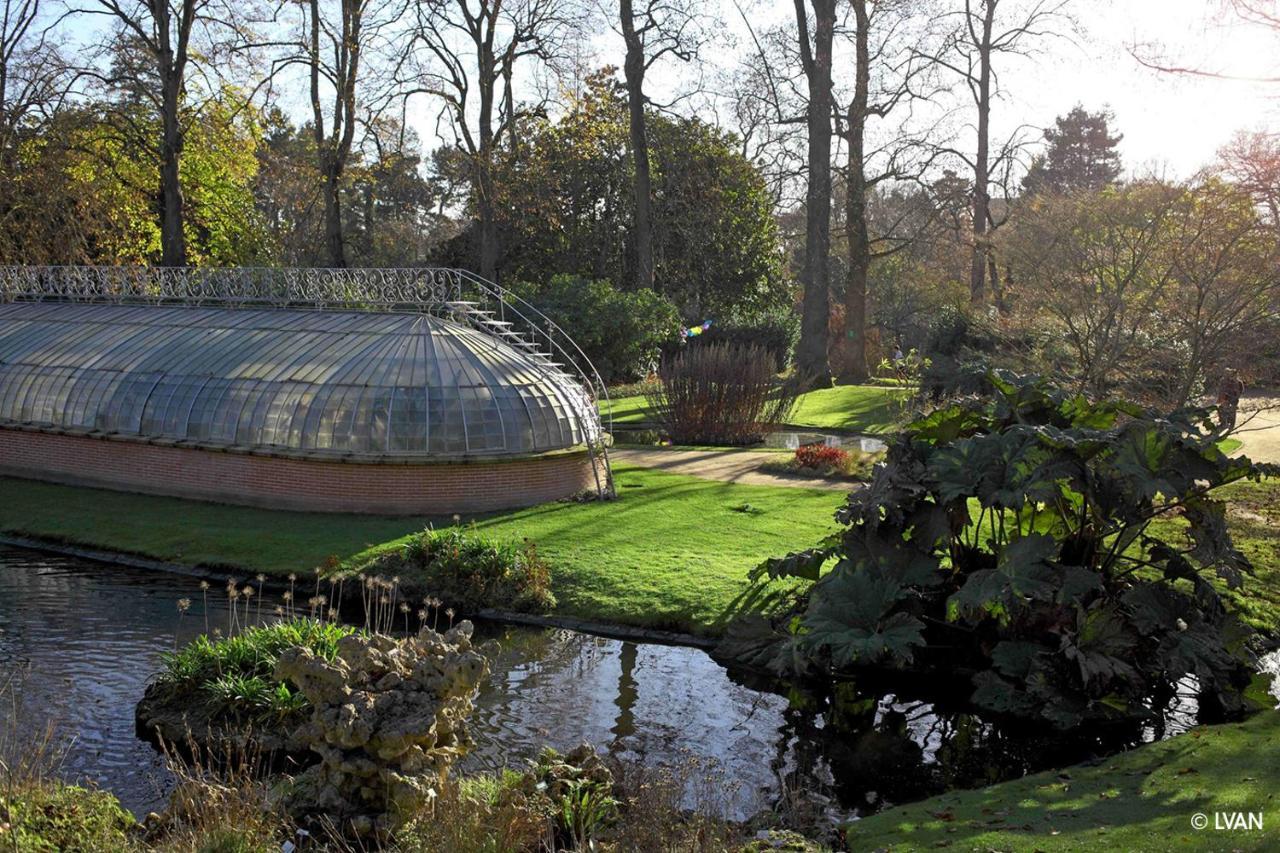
x=1102, y=648
x=1023, y=573
x=853, y=617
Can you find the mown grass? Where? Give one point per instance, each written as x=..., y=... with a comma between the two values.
x=673, y=552
x=1141, y=800
x=848, y=408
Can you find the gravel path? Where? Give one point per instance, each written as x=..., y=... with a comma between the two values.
x=1259, y=428
x=730, y=466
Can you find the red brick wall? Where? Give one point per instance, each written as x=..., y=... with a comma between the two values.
x=280, y=483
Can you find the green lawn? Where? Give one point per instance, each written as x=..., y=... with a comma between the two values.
x=849, y=408
x=672, y=552
x=1141, y=800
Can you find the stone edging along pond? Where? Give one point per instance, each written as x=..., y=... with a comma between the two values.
x=626, y=633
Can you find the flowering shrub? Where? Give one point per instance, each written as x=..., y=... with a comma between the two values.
x=821, y=456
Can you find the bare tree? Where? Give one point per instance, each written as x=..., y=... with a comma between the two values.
x=986, y=31
x=472, y=51
x=339, y=43
x=813, y=367
x=33, y=75
x=890, y=62
x=155, y=48
x=1264, y=14
x=1252, y=160
x=651, y=30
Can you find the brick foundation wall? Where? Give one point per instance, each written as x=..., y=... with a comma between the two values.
x=299, y=484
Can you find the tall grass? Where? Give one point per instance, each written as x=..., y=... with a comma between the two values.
x=720, y=394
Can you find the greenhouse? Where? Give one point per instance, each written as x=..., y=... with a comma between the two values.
x=380, y=409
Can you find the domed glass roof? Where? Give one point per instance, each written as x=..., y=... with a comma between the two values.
x=325, y=383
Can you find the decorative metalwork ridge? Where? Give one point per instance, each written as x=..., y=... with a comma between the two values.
x=427, y=288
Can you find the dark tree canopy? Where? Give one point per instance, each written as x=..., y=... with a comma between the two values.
x=1082, y=154
x=566, y=208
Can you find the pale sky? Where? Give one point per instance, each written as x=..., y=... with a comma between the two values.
x=1170, y=123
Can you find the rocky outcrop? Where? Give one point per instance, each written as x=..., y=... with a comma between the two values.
x=388, y=719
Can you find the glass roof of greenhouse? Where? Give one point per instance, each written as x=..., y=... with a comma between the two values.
x=319, y=383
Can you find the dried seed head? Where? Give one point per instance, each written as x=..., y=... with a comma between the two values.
x=184, y=604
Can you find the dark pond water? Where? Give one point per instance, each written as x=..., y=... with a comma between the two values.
x=79, y=640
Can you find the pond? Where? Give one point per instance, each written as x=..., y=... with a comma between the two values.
x=80, y=639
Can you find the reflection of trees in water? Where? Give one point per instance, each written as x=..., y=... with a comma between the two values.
x=628, y=692
x=869, y=752
x=548, y=654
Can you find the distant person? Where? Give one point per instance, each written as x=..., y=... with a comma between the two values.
x=899, y=362
x=1229, y=391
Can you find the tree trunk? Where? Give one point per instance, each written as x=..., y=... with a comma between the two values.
x=981, y=165
x=813, y=367
x=333, y=237
x=642, y=219
x=173, y=239
x=856, y=234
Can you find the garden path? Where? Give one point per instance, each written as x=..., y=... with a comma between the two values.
x=730, y=466
x=1259, y=424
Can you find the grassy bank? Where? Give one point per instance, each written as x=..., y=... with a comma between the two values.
x=1142, y=800
x=848, y=408
x=671, y=553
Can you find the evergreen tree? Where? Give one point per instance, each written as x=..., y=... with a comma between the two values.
x=1081, y=155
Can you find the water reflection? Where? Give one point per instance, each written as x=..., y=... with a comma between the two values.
x=89, y=635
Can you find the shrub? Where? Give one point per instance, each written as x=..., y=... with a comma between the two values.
x=470, y=572
x=1021, y=543
x=720, y=394
x=776, y=332
x=622, y=332
x=50, y=816
x=820, y=456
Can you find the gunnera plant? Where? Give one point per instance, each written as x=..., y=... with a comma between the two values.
x=1060, y=558
x=720, y=394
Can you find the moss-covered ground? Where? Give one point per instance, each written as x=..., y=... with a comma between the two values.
x=1142, y=800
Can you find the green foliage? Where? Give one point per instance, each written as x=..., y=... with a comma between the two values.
x=565, y=198
x=775, y=330
x=1014, y=540
x=470, y=572
x=85, y=189
x=58, y=818
x=622, y=332
x=233, y=676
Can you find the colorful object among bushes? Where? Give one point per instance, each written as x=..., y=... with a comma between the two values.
x=694, y=331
